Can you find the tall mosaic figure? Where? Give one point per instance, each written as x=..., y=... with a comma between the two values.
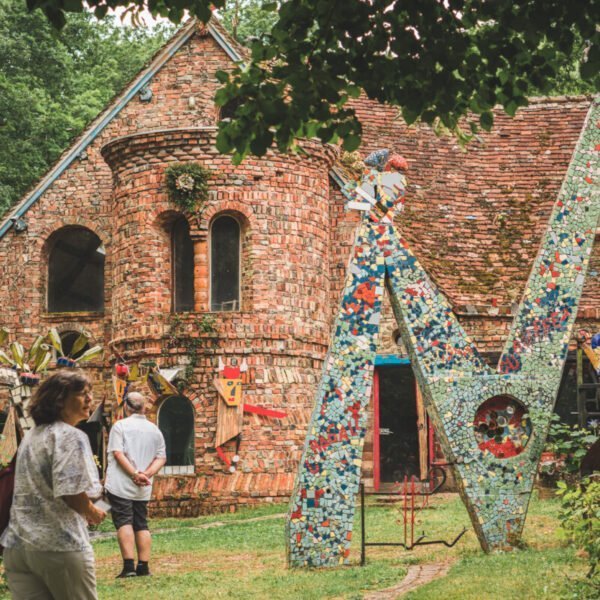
x=492, y=423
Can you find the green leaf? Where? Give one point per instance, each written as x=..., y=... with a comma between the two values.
x=486, y=120
x=511, y=108
x=353, y=91
x=351, y=143
x=223, y=143
x=222, y=76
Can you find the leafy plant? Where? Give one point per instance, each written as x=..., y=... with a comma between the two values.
x=52, y=84
x=580, y=518
x=3, y=580
x=187, y=184
x=177, y=336
x=567, y=445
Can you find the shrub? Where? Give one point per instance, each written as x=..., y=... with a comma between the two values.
x=567, y=445
x=580, y=518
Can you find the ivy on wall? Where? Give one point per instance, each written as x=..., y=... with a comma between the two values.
x=187, y=184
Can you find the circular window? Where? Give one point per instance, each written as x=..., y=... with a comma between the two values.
x=502, y=427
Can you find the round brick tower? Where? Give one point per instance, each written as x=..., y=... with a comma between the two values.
x=281, y=329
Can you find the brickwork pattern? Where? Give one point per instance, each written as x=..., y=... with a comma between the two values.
x=297, y=238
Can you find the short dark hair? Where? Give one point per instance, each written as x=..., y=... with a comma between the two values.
x=50, y=398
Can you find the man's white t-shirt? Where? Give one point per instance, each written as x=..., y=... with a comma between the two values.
x=141, y=441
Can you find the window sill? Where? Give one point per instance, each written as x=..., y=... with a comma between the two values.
x=177, y=470
x=73, y=316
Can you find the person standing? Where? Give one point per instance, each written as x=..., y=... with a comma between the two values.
x=136, y=452
x=47, y=551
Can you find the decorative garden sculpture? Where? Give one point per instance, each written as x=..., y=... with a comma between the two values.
x=492, y=423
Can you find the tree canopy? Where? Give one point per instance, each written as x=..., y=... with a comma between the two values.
x=53, y=83
x=436, y=60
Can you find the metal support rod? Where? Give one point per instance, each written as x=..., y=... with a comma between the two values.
x=362, y=525
x=405, y=506
x=412, y=510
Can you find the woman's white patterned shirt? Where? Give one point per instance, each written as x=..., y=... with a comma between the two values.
x=53, y=460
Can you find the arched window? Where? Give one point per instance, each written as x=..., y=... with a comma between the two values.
x=182, y=252
x=176, y=421
x=76, y=271
x=225, y=264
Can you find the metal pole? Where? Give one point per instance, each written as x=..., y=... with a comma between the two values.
x=412, y=510
x=405, y=489
x=362, y=525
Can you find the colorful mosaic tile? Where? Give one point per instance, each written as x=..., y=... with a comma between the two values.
x=492, y=424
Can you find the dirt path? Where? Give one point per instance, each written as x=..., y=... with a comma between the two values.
x=417, y=575
x=102, y=535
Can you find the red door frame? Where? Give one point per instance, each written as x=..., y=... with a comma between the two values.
x=376, y=446
x=376, y=466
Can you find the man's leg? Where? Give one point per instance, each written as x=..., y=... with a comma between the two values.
x=122, y=516
x=127, y=542
x=143, y=541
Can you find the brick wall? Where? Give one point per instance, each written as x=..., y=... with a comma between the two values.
x=296, y=242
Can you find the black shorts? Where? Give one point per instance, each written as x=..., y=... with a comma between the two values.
x=128, y=512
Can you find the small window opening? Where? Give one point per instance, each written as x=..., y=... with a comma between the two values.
x=176, y=422
x=182, y=249
x=225, y=265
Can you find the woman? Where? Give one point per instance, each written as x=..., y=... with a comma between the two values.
x=47, y=553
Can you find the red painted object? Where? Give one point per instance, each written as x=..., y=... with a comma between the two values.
x=122, y=370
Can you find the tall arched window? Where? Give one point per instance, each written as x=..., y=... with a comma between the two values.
x=176, y=421
x=182, y=252
x=225, y=264
x=76, y=271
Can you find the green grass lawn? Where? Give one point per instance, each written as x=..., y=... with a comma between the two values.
x=231, y=556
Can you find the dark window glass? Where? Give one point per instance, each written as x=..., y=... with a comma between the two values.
x=228, y=111
x=183, y=267
x=76, y=272
x=176, y=421
x=225, y=264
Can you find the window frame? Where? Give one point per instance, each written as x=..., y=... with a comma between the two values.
x=210, y=263
x=51, y=244
x=179, y=469
x=174, y=308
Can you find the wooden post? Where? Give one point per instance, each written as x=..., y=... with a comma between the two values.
x=422, y=429
x=581, y=412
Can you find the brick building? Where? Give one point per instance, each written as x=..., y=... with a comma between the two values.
x=98, y=245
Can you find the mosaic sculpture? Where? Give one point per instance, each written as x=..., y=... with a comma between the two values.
x=231, y=409
x=492, y=423
x=21, y=370
x=127, y=373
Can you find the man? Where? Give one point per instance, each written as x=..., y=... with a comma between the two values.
x=136, y=452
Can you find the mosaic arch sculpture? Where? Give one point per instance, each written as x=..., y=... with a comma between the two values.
x=492, y=423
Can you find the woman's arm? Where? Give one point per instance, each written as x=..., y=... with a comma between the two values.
x=81, y=504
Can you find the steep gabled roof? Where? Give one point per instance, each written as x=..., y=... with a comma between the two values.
x=179, y=39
